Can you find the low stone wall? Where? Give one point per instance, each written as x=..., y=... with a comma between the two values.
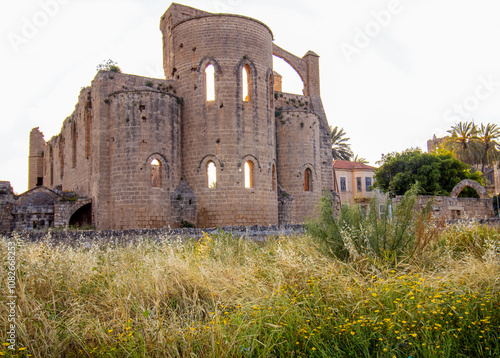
x=84, y=237
x=494, y=222
x=455, y=208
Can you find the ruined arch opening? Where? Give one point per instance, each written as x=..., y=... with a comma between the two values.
x=82, y=217
x=469, y=189
x=291, y=82
x=468, y=192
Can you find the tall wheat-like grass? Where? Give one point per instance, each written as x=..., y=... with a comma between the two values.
x=223, y=296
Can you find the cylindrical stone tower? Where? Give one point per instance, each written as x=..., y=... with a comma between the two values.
x=222, y=65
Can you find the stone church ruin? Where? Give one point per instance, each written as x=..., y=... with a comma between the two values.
x=215, y=143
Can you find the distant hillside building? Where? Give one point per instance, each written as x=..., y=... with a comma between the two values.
x=215, y=143
x=435, y=143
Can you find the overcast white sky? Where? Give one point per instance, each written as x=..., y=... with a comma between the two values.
x=393, y=73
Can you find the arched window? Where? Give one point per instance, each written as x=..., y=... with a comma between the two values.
x=156, y=173
x=249, y=179
x=273, y=178
x=210, y=83
x=308, y=180
x=246, y=82
x=211, y=175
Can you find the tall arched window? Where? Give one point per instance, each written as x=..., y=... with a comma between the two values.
x=249, y=178
x=273, y=177
x=211, y=175
x=246, y=82
x=156, y=173
x=210, y=83
x=308, y=180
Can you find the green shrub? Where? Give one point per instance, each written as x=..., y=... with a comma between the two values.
x=400, y=232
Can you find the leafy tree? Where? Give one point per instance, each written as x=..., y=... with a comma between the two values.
x=340, y=149
x=435, y=174
x=463, y=142
x=109, y=65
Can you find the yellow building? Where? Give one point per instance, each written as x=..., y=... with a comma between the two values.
x=353, y=182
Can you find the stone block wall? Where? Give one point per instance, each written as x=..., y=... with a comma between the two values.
x=36, y=159
x=298, y=137
x=455, y=208
x=227, y=131
x=184, y=204
x=6, y=205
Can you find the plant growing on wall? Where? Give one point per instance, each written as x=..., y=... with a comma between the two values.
x=109, y=65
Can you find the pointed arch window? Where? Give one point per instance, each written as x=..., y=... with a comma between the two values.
x=308, y=180
x=211, y=175
x=156, y=173
x=210, y=83
x=246, y=81
x=249, y=175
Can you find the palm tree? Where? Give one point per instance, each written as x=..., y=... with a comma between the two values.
x=488, y=144
x=463, y=142
x=361, y=160
x=340, y=149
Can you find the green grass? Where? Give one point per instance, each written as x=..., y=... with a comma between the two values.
x=228, y=297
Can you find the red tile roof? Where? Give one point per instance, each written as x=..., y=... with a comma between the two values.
x=344, y=164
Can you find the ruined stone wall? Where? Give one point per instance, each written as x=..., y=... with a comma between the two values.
x=138, y=123
x=298, y=136
x=36, y=159
x=6, y=205
x=455, y=208
x=104, y=151
x=67, y=161
x=227, y=131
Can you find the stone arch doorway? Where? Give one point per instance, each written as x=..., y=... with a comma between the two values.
x=481, y=190
x=82, y=216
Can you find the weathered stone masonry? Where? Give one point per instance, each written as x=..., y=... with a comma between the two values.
x=141, y=152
